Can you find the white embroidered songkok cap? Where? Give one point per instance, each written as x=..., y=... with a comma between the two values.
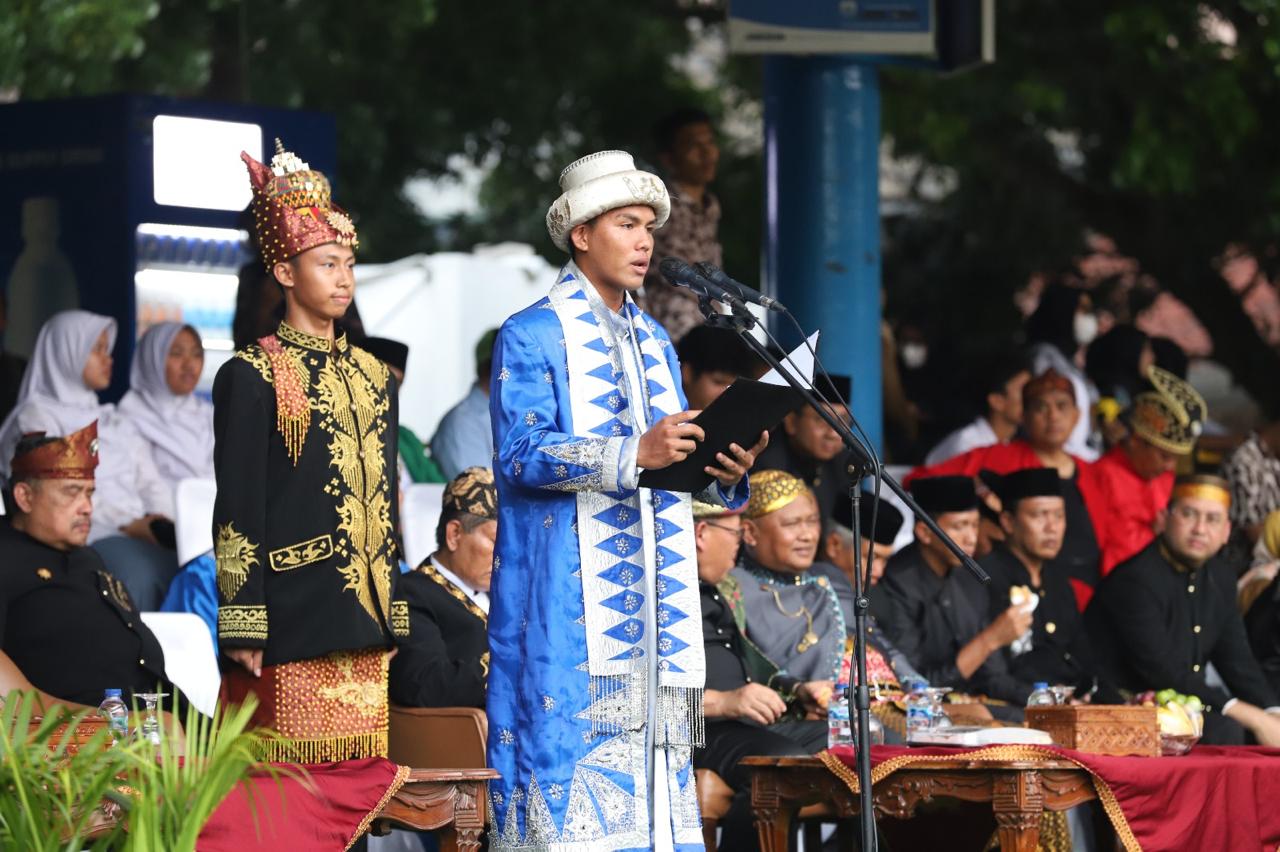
x=601, y=182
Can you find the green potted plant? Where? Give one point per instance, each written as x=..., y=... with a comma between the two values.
x=132, y=795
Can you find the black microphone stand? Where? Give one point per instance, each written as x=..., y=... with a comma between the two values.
x=861, y=465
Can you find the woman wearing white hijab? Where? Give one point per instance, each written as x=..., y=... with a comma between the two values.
x=162, y=405
x=70, y=364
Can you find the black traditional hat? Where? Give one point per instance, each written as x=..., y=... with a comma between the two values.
x=1031, y=482
x=393, y=353
x=938, y=495
x=888, y=518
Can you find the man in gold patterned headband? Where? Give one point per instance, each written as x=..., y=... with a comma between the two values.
x=1162, y=618
x=792, y=615
x=445, y=662
x=747, y=698
x=1126, y=490
x=305, y=518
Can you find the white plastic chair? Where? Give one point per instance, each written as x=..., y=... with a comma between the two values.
x=189, y=659
x=419, y=516
x=193, y=526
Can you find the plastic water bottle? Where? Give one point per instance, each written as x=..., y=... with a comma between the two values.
x=116, y=712
x=839, y=730
x=919, y=707
x=1041, y=695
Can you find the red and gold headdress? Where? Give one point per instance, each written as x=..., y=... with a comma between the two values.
x=1047, y=382
x=292, y=208
x=72, y=457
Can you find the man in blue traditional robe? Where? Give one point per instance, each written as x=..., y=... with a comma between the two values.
x=596, y=671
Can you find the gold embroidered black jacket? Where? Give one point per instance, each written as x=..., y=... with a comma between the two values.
x=305, y=517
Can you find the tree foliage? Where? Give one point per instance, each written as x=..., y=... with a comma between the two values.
x=1150, y=122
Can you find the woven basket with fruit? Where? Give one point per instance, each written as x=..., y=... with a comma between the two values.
x=1181, y=719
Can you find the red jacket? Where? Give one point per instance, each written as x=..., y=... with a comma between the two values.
x=997, y=458
x=1123, y=505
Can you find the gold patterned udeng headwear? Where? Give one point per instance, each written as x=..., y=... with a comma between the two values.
x=772, y=490
x=473, y=492
x=1204, y=487
x=1170, y=417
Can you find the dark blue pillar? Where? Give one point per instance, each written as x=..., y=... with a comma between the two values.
x=822, y=209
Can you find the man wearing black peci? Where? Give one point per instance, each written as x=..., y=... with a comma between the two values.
x=937, y=611
x=806, y=446
x=1033, y=518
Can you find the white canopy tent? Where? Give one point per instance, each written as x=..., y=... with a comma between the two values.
x=440, y=305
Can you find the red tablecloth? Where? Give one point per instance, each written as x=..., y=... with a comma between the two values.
x=1214, y=798
x=327, y=809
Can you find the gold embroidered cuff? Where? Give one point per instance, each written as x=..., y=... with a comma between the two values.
x=400, y=618
x=242, y=622
x=306, y=552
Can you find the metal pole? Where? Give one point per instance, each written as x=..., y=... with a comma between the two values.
x=822, y=212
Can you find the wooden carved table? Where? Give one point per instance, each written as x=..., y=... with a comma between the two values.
x=451, y=801
x=1019, y=792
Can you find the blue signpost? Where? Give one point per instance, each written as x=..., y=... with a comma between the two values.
x=822, y=166
x=822, y=142
x=822, y=176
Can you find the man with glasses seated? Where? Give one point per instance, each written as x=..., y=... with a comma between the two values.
x=744, y=703
x=1167, y=619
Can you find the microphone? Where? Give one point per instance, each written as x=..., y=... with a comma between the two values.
x=717, y=275
x=683, y=275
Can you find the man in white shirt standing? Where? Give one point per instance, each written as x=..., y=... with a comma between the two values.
x=1001, y=387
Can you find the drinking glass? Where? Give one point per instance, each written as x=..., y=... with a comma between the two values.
x=150, y=728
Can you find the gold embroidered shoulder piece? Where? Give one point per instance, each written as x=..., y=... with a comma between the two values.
x=253, y=355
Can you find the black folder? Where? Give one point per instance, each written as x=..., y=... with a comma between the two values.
x=738, y=416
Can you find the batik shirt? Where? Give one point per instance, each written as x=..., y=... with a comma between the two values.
x=691, y=234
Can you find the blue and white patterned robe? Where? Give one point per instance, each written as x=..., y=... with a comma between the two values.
x=596, y=671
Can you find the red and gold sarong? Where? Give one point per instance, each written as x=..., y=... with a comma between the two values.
x=326, y=709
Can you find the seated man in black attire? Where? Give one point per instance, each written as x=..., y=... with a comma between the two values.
x=67, y=626
x=809, y=448
x=876, y=549
x=743, y=702
x=711, y=359
x=1162, y=618
x=445, y=661
x=1033, y=517
x=936, y=612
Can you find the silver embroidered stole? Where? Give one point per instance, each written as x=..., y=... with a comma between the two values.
x=612, y=544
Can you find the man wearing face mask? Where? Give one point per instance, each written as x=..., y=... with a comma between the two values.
x=807, y=447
